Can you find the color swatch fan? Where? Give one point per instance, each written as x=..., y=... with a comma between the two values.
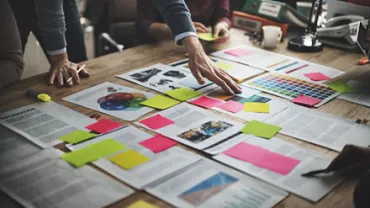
x=290, y=87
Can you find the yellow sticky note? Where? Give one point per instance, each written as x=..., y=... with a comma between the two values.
x=257, y=107
x=224, y=66
x=141, y=204
x=76, y=136
x=107, y=147
x=160, y=102
x=207, y=37
x=129, y=159
x=183, y=93
x=80, y=157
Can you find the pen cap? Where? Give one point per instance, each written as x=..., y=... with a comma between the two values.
x=32, y=93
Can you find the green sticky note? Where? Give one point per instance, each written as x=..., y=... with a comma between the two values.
x=160, y=102
x=224, y=66
x=80, y=157
x=207, y=37
x=76, y=136
x=260, y=129
x=107, y=147
x=183, y=93
x=341, y=87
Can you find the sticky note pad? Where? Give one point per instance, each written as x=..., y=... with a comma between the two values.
x=305, y=100
x=129, y=159
x=156, y=122
x=158, y=143
x=206, y=102
x=224, y=66
x=257, y=107
x=341, y=87
x=231, y=106
x=183, y=93
x=260, y=129
x=104, y=126
x=207, y=37
x=107, y=147
x=141, y=204
x=317, y=76
x=76, y=136
x=238, y=52
x=160, y=102
x=80, y=157
x=263, y=158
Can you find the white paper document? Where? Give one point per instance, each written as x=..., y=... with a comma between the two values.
x=320, y=128
x=313, y=188
x=209, y=184
x=361, y=95
x=14, y=147
x=43, y=123
x=248, y=95
x=275, y=62
x=113, y=99
x=162, y=78
x=237, y=70
x=43, y=180
x=159, y=165
x=196, y=127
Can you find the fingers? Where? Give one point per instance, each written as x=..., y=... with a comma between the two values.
x=216, y=32
x=199, y=27
x=60, y=78
x=53, y=74
x=229, y=81
x=217, y=80
x=73, y=72
x=197, y=74
x=84, y=73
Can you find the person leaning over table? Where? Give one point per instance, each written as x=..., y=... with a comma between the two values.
x=204, y=13
x=11, y=61
x=56, y=25
x=177, y=16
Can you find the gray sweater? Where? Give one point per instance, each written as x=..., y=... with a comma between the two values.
x=52, y=26
x=11, y=61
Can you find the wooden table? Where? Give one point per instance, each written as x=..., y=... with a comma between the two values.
x=105, y=68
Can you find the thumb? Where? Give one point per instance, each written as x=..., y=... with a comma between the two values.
x=216, y=31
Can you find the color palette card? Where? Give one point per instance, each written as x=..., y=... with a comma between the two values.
x=158, y=143
x=80, y=157
x=156, y=122
x=129, y=159
x=160, y=102
x=103, y=126
x=261, y=129
x=76, y=136
x=206, y=102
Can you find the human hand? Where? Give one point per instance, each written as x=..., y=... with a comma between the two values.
x=200, y=28
x=221, y=29
x=202, y=66
x=61, y=69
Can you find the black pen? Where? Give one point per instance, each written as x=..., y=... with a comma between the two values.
x=314, y=172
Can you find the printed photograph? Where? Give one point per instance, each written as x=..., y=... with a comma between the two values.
x=205, y=131
x=145, y=75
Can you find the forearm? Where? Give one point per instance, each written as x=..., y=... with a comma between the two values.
x=51, y=23
x=11, y=71
x=177, y=16
x=159, y=31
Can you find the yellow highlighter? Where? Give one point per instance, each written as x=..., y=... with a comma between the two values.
x=40, y=96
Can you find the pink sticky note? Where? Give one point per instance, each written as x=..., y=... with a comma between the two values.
x=246, y=152
x=156, y=122
x=206, y=102
x=277, y=163
x=231, y=106
x=103, y=126
x=263, y=158
x=305, y=100
x=317, y=76
x=158, y=143
x=238, y=52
